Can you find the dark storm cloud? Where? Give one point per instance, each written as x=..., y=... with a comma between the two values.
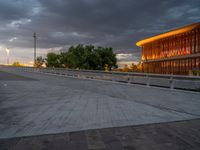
x=115, y=23
x=13, y=9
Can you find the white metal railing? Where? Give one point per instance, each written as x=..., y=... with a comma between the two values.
x=148, y=79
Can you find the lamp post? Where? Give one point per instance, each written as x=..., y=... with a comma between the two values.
x=35, y=37
x=7, y=52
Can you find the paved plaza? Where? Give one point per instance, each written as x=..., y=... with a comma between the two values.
x=33, y=104
x=182, y=135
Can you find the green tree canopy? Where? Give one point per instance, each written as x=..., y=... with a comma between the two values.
x=53, y=60
x=39, y=61
x=83, y=57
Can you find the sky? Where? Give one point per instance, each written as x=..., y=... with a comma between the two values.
x=60, y=24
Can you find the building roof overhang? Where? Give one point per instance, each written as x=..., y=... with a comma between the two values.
x=169, y=33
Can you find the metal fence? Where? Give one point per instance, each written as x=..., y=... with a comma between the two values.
x=147, y=79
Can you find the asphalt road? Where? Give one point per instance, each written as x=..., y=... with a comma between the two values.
x=37, y=104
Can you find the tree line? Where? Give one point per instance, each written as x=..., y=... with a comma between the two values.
x=81, y=57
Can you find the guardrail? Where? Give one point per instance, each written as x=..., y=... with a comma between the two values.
x=147, y=79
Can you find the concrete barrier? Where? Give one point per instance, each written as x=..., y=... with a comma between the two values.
x=167, y=81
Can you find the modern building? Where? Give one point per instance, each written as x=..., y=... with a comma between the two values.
x=173, y=52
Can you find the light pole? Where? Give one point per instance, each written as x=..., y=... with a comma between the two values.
x=35, y=37
x=7, y=52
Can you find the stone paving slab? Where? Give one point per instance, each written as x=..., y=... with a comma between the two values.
x=52, y=104
x=184, y=135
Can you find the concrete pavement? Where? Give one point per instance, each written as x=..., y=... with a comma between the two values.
x=35, y=104
x=183, y=135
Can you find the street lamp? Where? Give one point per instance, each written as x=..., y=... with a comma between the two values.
x=35, y=38
x=7, y=52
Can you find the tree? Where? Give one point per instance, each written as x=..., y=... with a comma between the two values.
x=75, y=57
x=133, y=67
x=92, y=59
x=83, y=57
x=63, y=59
x=107, y=57
x=139, y=67
x=39, y=61
x=53, y=60
x=106, y=68
x=125, y=69
x=16, y=64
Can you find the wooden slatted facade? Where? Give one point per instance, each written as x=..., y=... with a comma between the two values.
x=173, y=52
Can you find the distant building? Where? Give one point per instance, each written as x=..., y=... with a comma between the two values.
x=173, y=52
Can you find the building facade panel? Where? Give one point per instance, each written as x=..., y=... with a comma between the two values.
x=174, y=54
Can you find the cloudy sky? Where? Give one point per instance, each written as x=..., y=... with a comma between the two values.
x=110, y=23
